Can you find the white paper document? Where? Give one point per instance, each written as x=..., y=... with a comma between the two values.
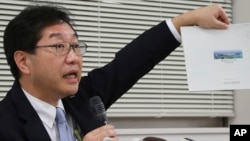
x=217, y=59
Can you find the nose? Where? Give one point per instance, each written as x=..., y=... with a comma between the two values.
x=72, y=57
x=70, y=48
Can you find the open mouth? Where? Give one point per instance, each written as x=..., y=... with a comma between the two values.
x=71, y=75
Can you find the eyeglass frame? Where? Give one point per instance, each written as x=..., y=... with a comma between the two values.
x=82, y=45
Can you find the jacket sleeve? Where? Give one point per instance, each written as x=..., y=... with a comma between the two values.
x=131, y=63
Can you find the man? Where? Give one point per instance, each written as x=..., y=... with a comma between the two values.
x=45, y=57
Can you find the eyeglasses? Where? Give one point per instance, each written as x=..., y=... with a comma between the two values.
x=64, y=48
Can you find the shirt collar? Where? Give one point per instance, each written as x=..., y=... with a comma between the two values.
x=45, y=111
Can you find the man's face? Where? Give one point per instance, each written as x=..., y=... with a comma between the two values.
x=55, y=75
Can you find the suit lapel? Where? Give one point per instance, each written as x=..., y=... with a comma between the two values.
x=35, y=131
x=33, y=126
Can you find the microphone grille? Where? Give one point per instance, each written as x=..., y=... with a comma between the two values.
x=97, y=105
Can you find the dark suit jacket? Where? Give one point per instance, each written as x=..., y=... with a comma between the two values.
x=20, y=122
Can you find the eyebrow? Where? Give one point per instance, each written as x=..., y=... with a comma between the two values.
x=60, y=34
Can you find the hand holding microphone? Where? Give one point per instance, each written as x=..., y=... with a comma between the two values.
x=103, y=133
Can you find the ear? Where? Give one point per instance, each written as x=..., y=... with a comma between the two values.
x=22, y=60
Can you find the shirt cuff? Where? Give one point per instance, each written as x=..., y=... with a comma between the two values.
x=173, y=30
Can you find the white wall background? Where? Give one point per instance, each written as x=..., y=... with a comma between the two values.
x=241, y=14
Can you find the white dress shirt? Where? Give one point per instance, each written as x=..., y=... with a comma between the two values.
x=47, y=114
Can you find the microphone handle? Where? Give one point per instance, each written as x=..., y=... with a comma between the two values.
x=107, y=139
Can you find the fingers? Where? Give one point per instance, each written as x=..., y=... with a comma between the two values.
x=212, y=16
x=220, y=24
x=223, y=17
x=106, y=133
x=221, y=20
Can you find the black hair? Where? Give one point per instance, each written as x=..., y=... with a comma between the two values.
x=24, y=31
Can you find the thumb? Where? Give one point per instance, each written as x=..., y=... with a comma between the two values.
x=220, y=24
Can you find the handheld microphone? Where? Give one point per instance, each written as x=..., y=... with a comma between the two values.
x=98, y=110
